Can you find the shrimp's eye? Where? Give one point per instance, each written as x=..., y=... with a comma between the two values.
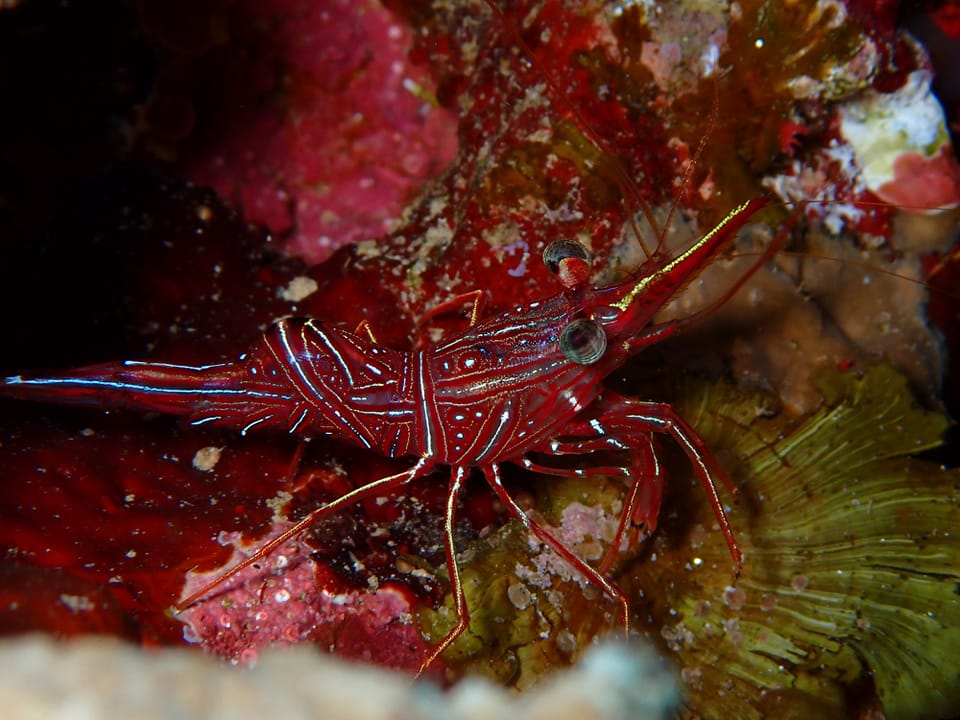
x=583, y=341
x=568, y=260
x=561, y=250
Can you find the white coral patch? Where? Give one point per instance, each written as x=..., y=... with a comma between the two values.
x=882, y=126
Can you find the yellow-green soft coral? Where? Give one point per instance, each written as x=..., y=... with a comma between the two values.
x=851, y=565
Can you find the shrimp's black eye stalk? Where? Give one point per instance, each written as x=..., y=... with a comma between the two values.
x=569, y=261
x=583, y=341
x=562, y=250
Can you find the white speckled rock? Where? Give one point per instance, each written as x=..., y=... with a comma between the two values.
x=98, y=679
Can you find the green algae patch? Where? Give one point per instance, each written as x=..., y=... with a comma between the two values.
x=848, y=593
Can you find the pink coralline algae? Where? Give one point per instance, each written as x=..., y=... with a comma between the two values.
x=312, y=120
x=291, y=604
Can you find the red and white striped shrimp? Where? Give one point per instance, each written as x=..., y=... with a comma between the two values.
x=527, y=381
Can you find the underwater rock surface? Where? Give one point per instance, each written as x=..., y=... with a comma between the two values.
x=106, y=680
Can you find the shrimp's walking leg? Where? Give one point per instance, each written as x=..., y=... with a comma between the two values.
x=617, y=423
x=474, y=299
x=641, y=505
x=422, y=468
x=495, y=480
x=457, y=476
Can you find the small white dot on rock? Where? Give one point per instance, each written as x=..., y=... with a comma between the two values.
x=520, y=596
x=206, y=458
x=299, y=288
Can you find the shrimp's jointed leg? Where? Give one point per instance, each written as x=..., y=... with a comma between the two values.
x=620, y=423
x=644, y=473
x=422, y=468
x=457, y=477
x=495, y=481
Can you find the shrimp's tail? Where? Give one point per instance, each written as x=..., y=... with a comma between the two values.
x=226, y=394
